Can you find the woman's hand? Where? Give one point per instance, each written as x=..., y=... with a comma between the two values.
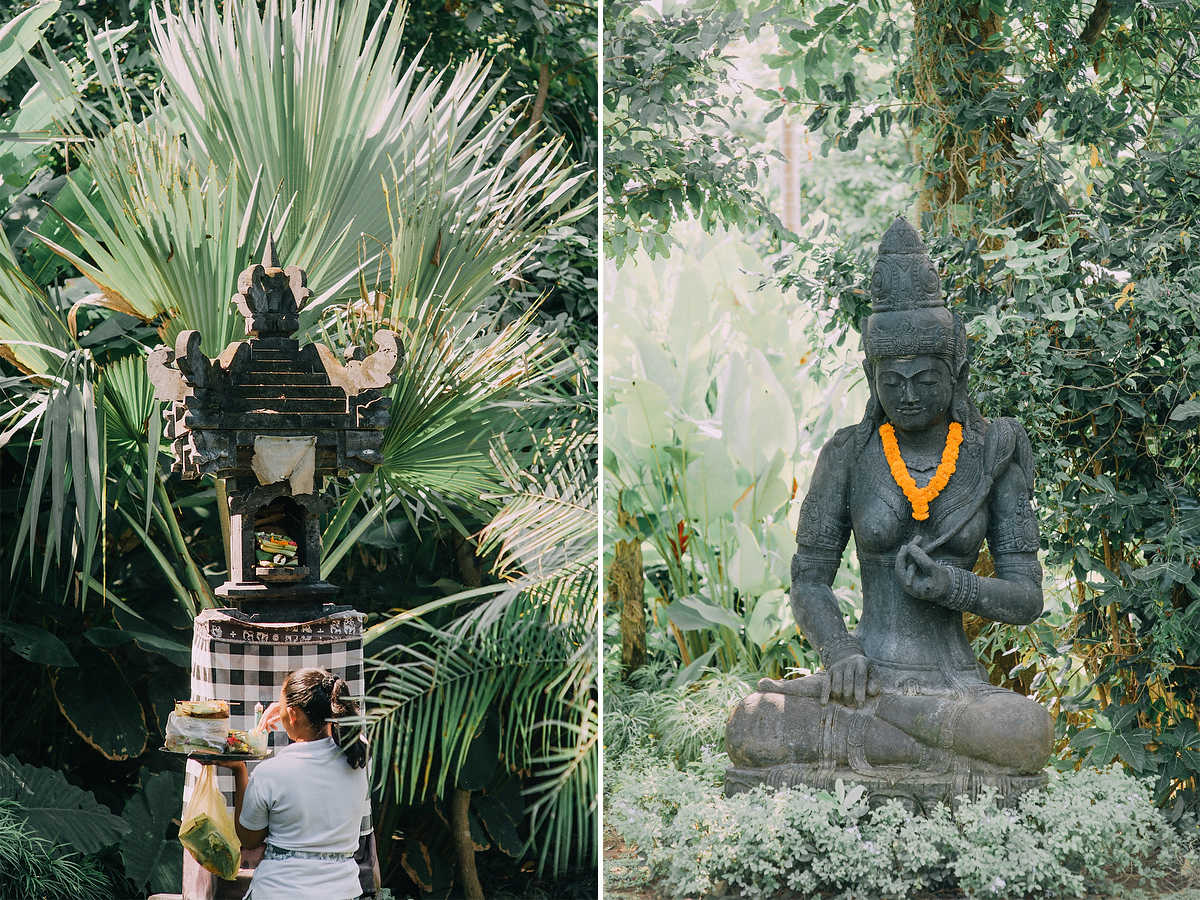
x=271, y=718
x=921, y=576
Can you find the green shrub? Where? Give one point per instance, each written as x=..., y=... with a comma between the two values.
x=1087, y=830
x=676, y=721
x=32, y=868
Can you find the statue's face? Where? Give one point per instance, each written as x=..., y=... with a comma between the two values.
x=915, y=391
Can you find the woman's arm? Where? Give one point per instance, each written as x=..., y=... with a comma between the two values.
x=241, y=779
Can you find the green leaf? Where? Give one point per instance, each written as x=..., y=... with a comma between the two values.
x=769, y=614
x=57, y=810
x=150, y=851
x=482, y=757
x=1187, y=410
x=37, y=645
x=417, y=863
x=165, y=688
x=101, y=706
x=1128, y=746
x=479, y=836
x=147, y=636
x=694, y=612
x=428, y=868
x=499, y=824
x=691, y=671
x=22, y=33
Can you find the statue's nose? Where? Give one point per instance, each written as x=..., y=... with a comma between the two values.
x=910, y=393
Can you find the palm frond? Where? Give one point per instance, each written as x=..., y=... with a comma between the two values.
x=530, y=652
x=175, y=244
x=33, y=336
x=69, y=465
x=323, y=107
x=537, y=673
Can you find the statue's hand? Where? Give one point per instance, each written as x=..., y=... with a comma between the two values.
x=848, y=681
x=920, y=575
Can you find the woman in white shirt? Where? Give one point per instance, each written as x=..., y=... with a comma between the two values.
x=307, y=802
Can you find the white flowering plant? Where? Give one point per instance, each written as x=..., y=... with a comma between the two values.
x=1089, y=830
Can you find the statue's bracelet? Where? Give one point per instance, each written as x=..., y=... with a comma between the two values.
x=838, y=648
x=964, y=591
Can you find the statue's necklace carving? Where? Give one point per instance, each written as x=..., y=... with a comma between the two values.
x=920, y=498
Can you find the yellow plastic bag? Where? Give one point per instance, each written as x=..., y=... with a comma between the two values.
x=208, y=831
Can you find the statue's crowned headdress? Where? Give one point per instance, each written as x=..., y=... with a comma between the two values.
x=908, y=316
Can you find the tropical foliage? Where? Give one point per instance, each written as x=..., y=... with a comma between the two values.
x=719, y=397
x=1063, y=212
x=425, y=219
x=671, y=150
x=1048, y=153
x=1089, y=832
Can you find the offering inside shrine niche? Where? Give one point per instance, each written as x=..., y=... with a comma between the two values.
x=275, y=550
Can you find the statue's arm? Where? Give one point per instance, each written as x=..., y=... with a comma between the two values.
x=821, y=536
x=1014, y=596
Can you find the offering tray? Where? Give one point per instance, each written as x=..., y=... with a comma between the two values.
x=206, y=757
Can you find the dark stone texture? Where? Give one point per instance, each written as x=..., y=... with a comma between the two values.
x=270, y=387
x=902, y=705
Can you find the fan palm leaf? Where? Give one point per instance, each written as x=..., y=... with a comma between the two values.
x=166, y=241
x=33, y=336
x=450, y=245
x=304, y=93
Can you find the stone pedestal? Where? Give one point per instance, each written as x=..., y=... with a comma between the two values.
x=917, y=790
x=245, y=662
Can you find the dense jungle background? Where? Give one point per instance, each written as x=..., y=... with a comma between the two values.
x=433, y=168
x=756, y=153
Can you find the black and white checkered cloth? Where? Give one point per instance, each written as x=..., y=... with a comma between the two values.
x=246, y=663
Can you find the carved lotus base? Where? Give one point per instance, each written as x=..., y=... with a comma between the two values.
x=918, y=790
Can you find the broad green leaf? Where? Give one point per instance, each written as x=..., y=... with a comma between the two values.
x=694, y=612
x=499, y=824
x=1187, y=410
x=482, y=757
x=747, y=566
x=37, y=645
x=691, y=671
x=146, y=639
x=771, y=611
x=1127, y=746
x=101, y=706
x=22, y=32
x=150, y=850
x=427, y=867
x=57, y=810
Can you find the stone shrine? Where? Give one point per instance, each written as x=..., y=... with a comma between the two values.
x=902, y=706
x=271, y=420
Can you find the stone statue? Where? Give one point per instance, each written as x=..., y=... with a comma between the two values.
x=902, y=705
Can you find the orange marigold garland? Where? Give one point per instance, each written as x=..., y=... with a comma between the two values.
x=920, y=498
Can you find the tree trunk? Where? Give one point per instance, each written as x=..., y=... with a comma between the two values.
x=464, y=847
x=939, y=47
x=625, y=588
x=539, y=104
x=468, y=562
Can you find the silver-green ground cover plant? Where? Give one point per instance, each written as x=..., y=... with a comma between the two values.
x=1092, y=829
